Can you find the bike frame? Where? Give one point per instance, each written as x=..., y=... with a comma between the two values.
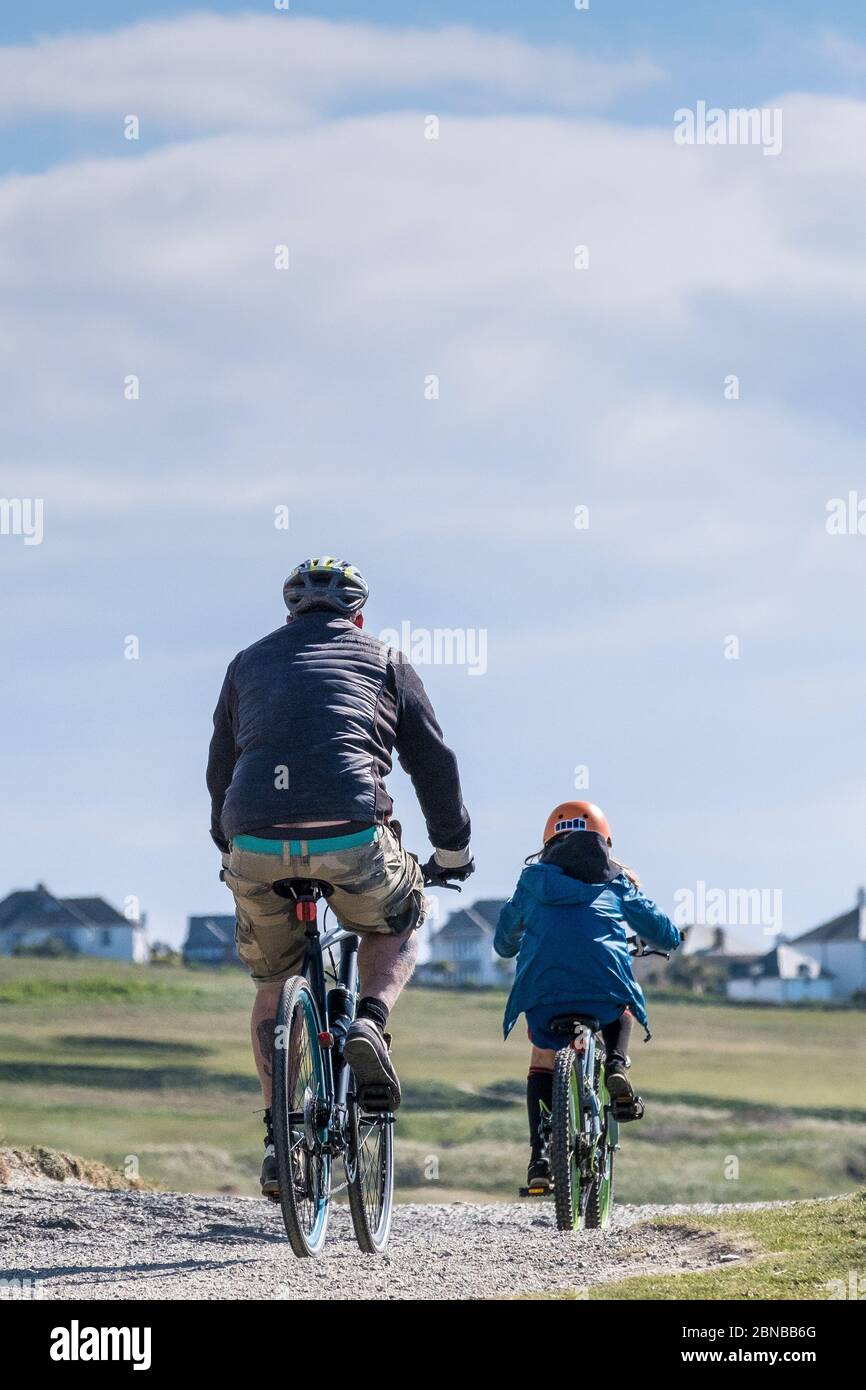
x=589, y=1098
x=336, y=1074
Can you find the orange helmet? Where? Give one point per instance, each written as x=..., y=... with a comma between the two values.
x=576, y=815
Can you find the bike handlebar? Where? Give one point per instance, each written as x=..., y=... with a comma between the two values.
x=638, y=947
x=434, y=881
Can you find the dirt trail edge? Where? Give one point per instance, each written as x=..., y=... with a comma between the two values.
x=72, y=1241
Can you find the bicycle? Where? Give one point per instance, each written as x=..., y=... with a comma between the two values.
x=582, y=1130
x=316, y=1110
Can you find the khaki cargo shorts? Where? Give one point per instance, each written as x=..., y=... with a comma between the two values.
x=378, y=887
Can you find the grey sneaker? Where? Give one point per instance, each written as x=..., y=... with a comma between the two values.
x=366, y=1051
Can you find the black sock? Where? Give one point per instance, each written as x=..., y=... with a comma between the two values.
x=539, y=1099
x=371, y=1007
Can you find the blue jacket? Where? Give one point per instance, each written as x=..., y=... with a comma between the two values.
x=570, y=941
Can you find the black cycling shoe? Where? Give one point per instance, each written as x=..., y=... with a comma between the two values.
x=269, y=1178
x=619, y=1088
x=366, y=1051
x=538, y=1174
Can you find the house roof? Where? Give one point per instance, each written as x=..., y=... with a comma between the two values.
x=214, y=931
x=844, y=928
x=96, y=910
x=782, y=963
x=36, y=907
x=720, y=941
x=478, y=920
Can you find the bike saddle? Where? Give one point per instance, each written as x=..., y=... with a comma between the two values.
x=565, y=1023
x=294, y=888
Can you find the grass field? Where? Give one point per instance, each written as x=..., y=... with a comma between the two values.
x=809, y=1250
x=153, y=1064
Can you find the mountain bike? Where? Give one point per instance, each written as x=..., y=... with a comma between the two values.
x=582, y=1131
x=318, y=1116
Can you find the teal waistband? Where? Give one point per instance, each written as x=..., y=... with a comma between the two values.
x=332, y=845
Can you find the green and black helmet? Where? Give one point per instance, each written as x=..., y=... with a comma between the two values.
x=325, y=583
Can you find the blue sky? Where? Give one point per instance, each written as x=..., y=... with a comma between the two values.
x=305, y=388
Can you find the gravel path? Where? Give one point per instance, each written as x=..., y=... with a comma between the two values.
x=77, y=1242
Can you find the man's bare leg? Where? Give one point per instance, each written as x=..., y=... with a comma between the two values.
x=386, y=964
x=262, y=1026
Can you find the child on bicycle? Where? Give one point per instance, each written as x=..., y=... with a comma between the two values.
x=566, y=923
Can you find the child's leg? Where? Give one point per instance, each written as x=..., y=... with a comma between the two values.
x=616, y=1039
x=539, y=1096
x=617, y=1036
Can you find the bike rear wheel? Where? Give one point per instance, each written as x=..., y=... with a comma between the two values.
x=566, y=1122
x=370, y=1176
x=299, y=1110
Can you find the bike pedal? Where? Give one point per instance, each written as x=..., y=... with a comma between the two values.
x=376, y=1099
x=625, y=1110
x=536, y=1191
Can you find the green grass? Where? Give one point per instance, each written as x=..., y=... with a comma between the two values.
x=111, y=1060
x=807, y=1251
x=94, y=988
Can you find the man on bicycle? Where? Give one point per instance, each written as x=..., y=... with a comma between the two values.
x=304, y=730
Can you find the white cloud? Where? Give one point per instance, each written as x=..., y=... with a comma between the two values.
x=216, y=72
x=410, y=257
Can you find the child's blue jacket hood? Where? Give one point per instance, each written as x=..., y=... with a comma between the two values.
x=570, y=940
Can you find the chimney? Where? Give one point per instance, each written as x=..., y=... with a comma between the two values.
x=861, y=908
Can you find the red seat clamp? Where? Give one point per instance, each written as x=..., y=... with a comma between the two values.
x=305, y=911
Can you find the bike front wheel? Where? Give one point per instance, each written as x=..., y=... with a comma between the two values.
x=370, y=1176
x=299, y=1110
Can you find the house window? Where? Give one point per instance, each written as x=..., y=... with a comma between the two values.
x=105, y=936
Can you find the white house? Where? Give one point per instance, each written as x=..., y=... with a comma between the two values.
x=839, y=947
x=782, y=976
x=32, y=920
x=461, y=952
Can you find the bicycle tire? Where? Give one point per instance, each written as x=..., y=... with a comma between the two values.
x=370, y=1176
x=565, y=1124
x=300, y=1088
